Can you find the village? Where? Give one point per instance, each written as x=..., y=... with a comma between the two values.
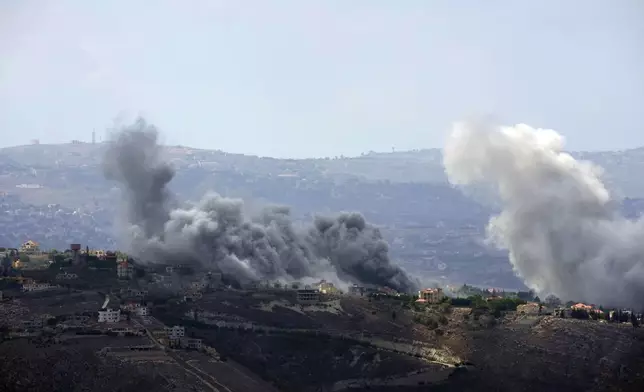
x=175, y=315
x=135, y=287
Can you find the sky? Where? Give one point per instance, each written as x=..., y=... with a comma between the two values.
x=294, y=78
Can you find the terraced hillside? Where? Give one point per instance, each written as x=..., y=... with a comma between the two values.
x=356, y=344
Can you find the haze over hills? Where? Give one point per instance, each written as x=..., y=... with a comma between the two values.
x=57, y=194
x=406, y=166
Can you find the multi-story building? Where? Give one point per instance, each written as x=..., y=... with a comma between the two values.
x=109, y=315
x=308, y=296
x=30, y=247
x=327, y=287
x=432, y=296
x=191, y=343
x=176, y=332
x=124, y=270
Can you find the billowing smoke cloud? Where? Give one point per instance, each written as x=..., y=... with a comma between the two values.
x=217, y=233
x=558, y=222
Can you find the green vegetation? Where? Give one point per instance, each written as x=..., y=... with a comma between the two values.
x=506, y=304
x=431, y=321
x=93, y=261
x=461, y=302
x=526, y=295
x=495, y=306
x=59, y=258
x=580, y=314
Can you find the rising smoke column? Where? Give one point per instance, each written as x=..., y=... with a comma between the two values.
x=133, y=158
x=217, y=233
x=558, y=220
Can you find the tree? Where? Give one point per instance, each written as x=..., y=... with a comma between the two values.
x=462, y=302
x=579, y=314
x=4, y=331
x=634, y=320
x=478, y=301
x=537, y=299
x=526, y=295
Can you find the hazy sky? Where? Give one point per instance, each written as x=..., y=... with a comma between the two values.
x=321, y=78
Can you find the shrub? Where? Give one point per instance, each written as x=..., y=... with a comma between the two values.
x=461, y=302
x=579, y=314
x=430, y=322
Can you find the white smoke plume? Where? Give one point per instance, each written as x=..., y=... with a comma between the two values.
x=562, y=230
x=218, y=234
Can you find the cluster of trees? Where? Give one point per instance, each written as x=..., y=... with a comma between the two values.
x=431, y=320
x=500, y=304
x=616, y=316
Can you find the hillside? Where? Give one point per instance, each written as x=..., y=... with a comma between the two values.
x=57, y=195
x=370, y=349
x=408, y=166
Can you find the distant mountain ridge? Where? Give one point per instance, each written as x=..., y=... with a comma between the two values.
x=406, y=166
x=434, y=229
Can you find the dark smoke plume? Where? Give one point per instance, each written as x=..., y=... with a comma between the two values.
x=558, y=221
x=216, y=233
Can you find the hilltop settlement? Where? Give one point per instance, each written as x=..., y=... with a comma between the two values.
x=125, y=325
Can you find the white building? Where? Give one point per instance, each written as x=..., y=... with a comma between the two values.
x=176, y=332
x=432, y=296
x=36, y=287
x=142, y=311
x=109, y=316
